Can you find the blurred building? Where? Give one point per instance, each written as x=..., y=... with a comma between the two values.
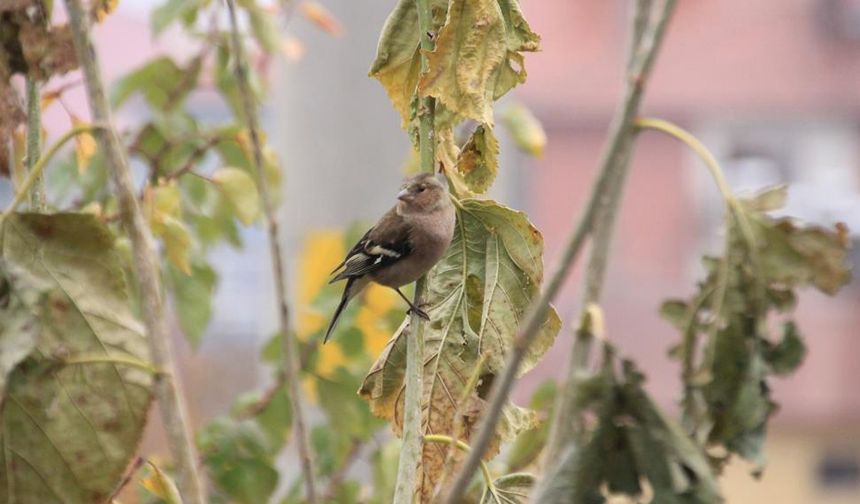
x=773, y=88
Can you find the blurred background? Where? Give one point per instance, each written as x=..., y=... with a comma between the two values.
x=771, y=86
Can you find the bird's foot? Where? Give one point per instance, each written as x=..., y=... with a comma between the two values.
x=418, y=311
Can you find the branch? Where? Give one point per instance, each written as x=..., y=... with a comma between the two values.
x=288, y=345
x=171, y=403
x=412, y=448
x=34, y=134
x=614, y=153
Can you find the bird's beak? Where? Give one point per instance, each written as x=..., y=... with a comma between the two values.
x=402, y=195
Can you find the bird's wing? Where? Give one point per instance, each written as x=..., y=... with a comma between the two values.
x=384, y=244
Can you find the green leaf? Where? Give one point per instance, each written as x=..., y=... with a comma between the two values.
x=177, y=241
x=476, y=296
x=510, y=489
x=163, y=83
x=192, y=298
x=21, y=310
x=262, y=26
x=529, y=445
x=238, y=460
x=173, y=10
x=785, y=357
x=54, y=412
x=478, y=162
x=470, y=49
x=525, y=128
x=240, y=191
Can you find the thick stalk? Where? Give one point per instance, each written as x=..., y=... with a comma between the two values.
x=641, y=50
x=288, y=345
x=621, y=129
x=34, y=137
x=411, y=450
x=171, y=402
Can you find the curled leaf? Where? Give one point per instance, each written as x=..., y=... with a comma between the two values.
x=478, y=161
x=161, y=485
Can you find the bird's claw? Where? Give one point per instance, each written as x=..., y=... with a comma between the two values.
x=418, y=311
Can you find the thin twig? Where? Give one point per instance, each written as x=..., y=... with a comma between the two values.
x=412, y=449
x=171, y=402
x=35, y=172
x=288, y=345
x=34, y=137
x=537, y=312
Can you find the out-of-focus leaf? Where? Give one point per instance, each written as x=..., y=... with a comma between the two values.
x=727, y=396
x=163, y=83
x=477, y=294
x=397, y=63
x=321, y=16
x=192, y=298
x=55, y=411
x=470, y=48
x=274, y=418
x=99, y=9
x=163, y=206
x=238, y=460
x=632, y=442
x=161, y=485
x=530, y=443
x=510, y=489
x=173, y=10
x=21, y=306
x=525, y=128
x=478, y=161
x=262, y=25
x=241, y=192
x=785, y=356
x=85, y=146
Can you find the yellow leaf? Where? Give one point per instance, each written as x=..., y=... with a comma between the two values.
x=177, y=242
x=240, y=191
x=526, y=129
x=331, y=358
x=167, y=200
x=49, y=97
x=85, y=146
x=469, y=52
x=99, y=9
x=371, y=318
x=160, y=485
x=320, y=16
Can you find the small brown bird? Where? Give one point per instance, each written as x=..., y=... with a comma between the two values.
x=406, y=242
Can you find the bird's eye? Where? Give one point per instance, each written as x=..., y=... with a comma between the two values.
x=420, y=189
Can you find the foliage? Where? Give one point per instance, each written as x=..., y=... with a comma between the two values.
x=78, y=388
x=727, y=399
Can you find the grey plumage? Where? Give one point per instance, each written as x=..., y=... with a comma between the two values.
x=404, y=245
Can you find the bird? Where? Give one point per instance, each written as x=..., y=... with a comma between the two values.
x=406, y=242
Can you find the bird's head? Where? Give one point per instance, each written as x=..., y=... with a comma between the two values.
x=423, y=193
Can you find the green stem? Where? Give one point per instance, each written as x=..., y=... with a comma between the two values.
x=34, y=134
x=35, y=172
x=485, y=470
x=411, y=450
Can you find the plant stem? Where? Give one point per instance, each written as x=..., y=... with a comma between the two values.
x=288, y=346
x=34, y=134
x=412, y=448
x=35, y=172
x=454, y=442
x=615, y=162
x=171, y=401
x=537, y=312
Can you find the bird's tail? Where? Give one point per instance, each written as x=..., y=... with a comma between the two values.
x=353, y=287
